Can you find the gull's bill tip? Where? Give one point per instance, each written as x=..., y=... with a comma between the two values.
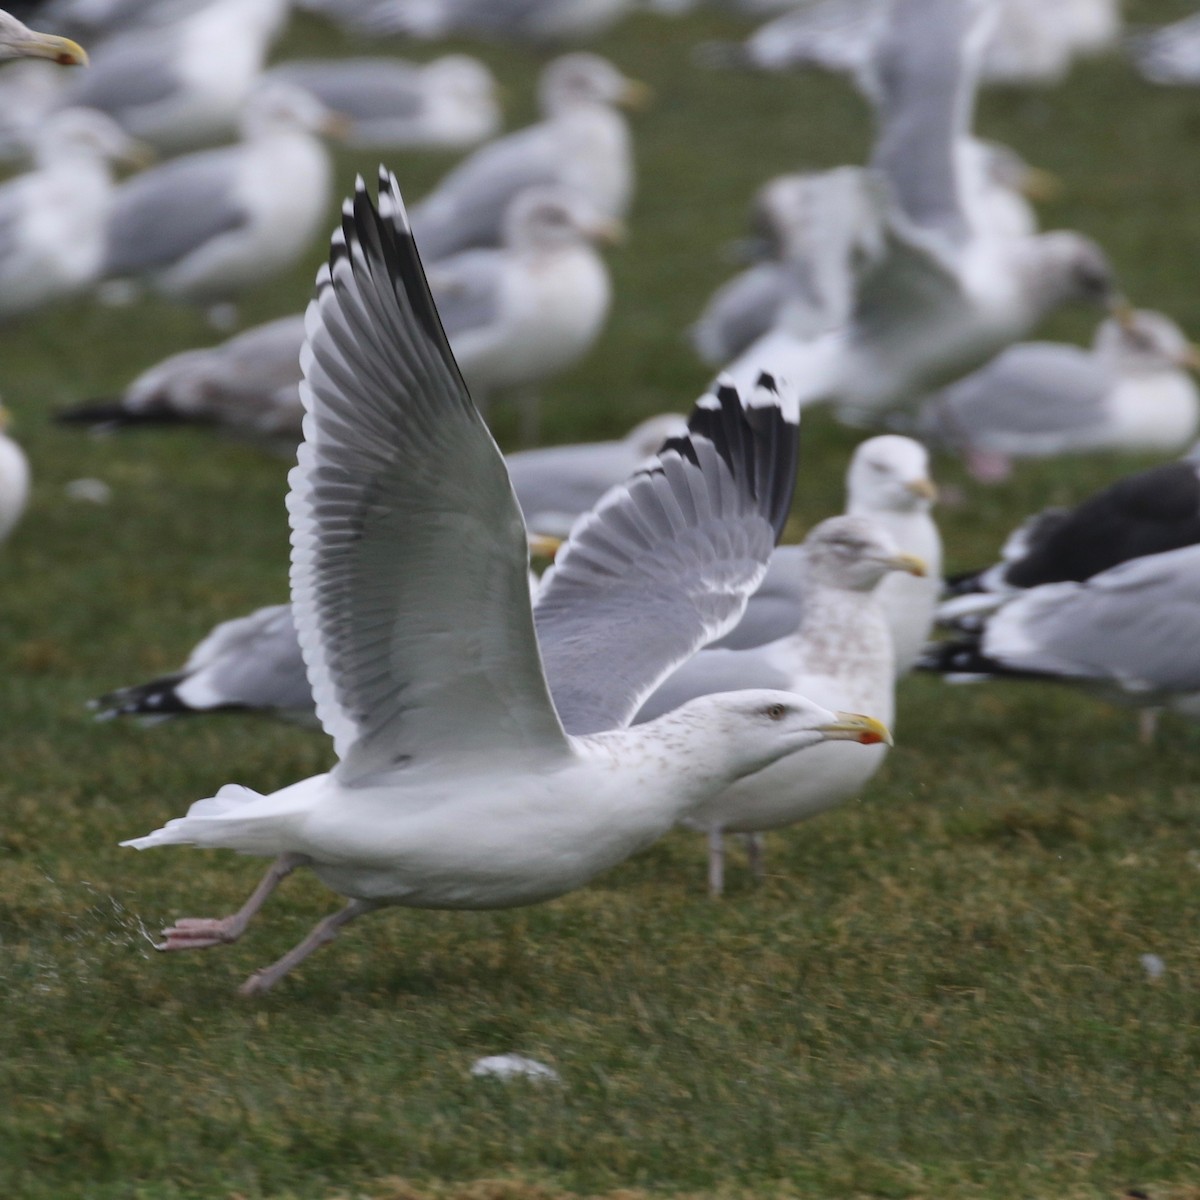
x=923, y=489
x=855, y=727
x=61, y=50
x=912, y=564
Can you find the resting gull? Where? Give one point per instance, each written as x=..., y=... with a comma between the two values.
x=1131, y=633
x=527, y=310
x=582, y=143
x=1149, y=512
x=53, y=219
x=183, y=84
x=14, y=479
x=459, y=781
x=942, y=297
x=390, y=104
x=839, y=654
x=1131, y=391
x=205, y=226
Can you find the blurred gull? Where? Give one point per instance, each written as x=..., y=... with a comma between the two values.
x=208, y=225
x=1130, y=633
x=248, y=384
x=507, y=20
x=839, y=653
x=53, y=220
x=459, y=781
x=582, y=143
x=889, y=484
x=17, y=40
x=14, y=479
x=389, y=104
x=183, y=84
x=1130, y=392
x=525, y=311
x=253, y=663
x=943, y=297
x=1169, y=55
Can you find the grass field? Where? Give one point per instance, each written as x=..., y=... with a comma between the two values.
x=937, y=993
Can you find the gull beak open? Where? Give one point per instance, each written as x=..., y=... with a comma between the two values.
x=1040, y=186
x=542, y=545
x=854, y=727
x=909, y=563
x=58, y=49
x=923, y=489
x=636, y=95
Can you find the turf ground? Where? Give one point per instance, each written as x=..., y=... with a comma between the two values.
x=938, y=991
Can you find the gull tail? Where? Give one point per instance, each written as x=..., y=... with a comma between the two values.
x=962, y=660
x=236, y=818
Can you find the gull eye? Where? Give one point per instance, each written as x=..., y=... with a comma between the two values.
x=776, y=712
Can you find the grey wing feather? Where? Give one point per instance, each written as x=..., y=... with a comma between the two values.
x=924, y=105
x=362, y=88
x=712, y=671
x=165, y=214
x=126, y=74
x=409, y=563
x=665, y=563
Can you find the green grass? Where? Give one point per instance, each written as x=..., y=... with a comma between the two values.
x=937, y=992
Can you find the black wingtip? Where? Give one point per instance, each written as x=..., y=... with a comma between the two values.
x=112, y=414
x=158, y=698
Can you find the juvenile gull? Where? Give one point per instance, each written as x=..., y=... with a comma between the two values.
x=207, y=225
x=582, y=143
x=458, y=782
x=390, y=104
x=1131, y=391
x=53, y=219
x=839, y=654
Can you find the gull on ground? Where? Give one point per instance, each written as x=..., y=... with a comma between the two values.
x=527, y=310
x=14, y=479
x=54, y=219
x=942, y=298
x=839, y=654
x=1130, y=633
x=183, y=84
x=390, y=104
x=1149, y=512
x=1131, y=391
x=582, y=143
x=208, y=225
x=460, y=781
x=1170, y=54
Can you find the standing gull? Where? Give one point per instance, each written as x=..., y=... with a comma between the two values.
x=1131, y=391
x=208, y=225
x=458, y=784
x=839, y=654
x=582, y=143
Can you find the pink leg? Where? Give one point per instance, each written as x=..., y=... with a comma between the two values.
x=325, y=931
x=756, y=856
x=716, y=861
x=198, y=933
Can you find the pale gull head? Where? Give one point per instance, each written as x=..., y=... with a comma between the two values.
x=890, y=473
x=854, y=553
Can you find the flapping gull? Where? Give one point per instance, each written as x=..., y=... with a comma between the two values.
x=507, y=20
x=458, y=783
x=525, y=311
x=1131, y=391
x=1149, y=512
x=248, y=384
x=17, y=40
x=839, y=654
x=1131, y=633
x=182, y=85
x=207, y=225
x=391, y=104
x=14, y=479
x=942, y=298
x=253, y=663
x=53, y=219
x=582, y=143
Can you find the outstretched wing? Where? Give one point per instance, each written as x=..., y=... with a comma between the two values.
x=666, y=562
x=409, y=562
